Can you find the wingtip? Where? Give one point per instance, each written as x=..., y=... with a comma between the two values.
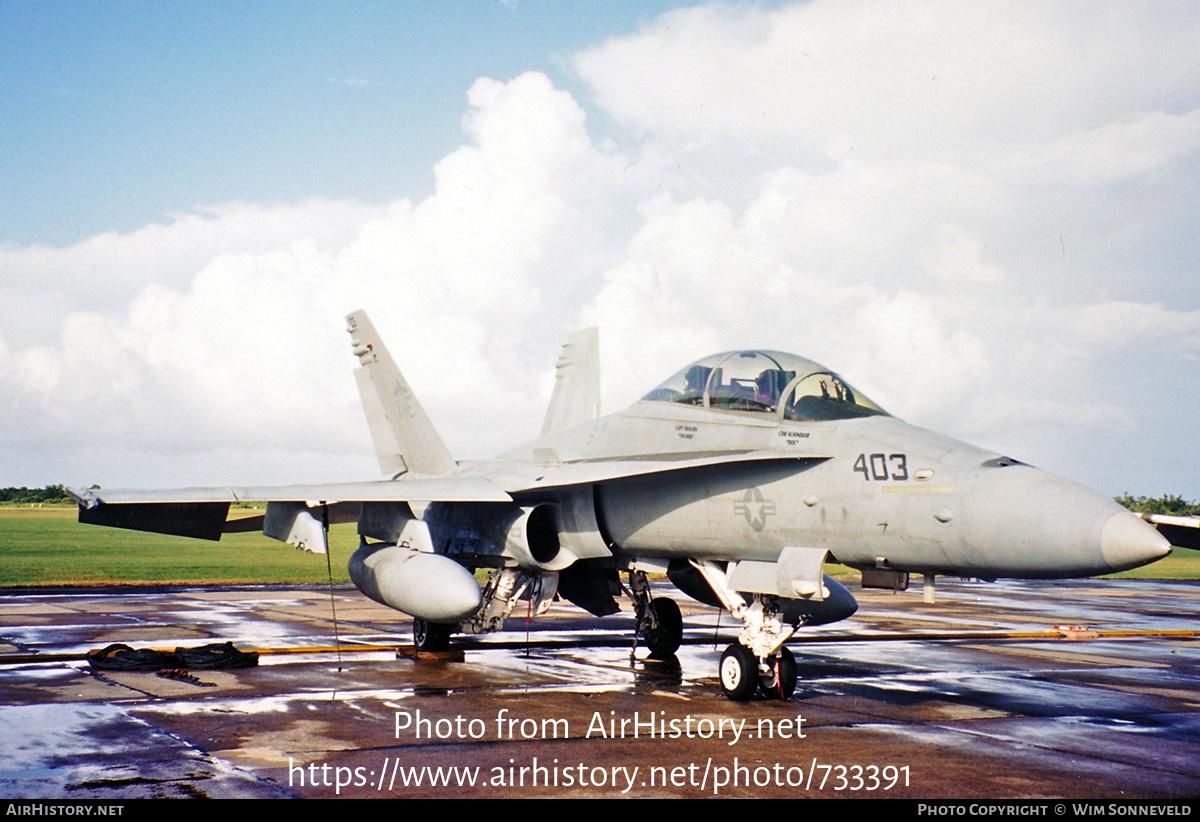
x=83, y=496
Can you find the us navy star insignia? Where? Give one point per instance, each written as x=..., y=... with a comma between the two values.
x=754, y=508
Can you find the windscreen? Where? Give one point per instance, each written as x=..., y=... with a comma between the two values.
x=765, y=382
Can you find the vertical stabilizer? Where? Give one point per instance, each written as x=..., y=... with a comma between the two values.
x=405, y=439
x=576, y=396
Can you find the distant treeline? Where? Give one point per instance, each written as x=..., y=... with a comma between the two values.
x=32, y=496
x=1166, y=504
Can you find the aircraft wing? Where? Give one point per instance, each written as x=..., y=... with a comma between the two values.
x=292, y=510
x=495, y=487
x=443, y=489
x=202, y=513
x=1182, y=532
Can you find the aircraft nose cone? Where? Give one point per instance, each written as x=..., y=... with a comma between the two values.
x=1026, y=523
x=1127, y=541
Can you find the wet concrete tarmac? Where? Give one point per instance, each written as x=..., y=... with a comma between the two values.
x=563, y=709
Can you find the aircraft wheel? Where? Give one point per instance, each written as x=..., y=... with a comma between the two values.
x=781, y=683
x=431, y=636
x=664, y=640
x=739, y=673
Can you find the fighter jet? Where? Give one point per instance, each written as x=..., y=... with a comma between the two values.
x=738, y=477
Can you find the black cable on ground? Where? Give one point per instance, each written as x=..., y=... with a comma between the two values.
x=212, y=657
x=337, y=639
x=119, y=657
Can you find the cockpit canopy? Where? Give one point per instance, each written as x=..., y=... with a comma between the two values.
x=765, y=382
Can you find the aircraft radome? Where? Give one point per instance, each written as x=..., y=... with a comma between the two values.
x=737, y=477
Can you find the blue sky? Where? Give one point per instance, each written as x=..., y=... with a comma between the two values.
x=120, y=114
x=984, y=215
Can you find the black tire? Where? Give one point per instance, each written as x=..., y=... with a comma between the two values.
x=431, y=636
x=739, y=673
x=781, y=684
x=664, y=640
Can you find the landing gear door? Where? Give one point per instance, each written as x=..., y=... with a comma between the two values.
x=797, y=574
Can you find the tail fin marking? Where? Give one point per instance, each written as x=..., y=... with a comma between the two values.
x=404, y=437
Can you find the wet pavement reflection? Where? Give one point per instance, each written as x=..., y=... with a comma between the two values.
x=566, y=707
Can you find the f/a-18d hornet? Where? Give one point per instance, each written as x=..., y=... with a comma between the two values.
x=738, y=477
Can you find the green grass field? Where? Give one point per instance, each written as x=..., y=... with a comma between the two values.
x=46, y=546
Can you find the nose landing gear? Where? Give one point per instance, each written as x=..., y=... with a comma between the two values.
x=742, y=673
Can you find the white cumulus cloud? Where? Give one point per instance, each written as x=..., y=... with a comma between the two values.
x=977, y=213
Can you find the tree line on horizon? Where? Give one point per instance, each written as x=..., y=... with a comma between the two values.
x=1169, y=504
x=34, y=496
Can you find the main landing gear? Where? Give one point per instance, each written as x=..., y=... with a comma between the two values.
x=431, y=636
x=658, y=620
x=504, y=589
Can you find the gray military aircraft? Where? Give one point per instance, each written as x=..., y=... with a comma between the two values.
x=738, y=477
